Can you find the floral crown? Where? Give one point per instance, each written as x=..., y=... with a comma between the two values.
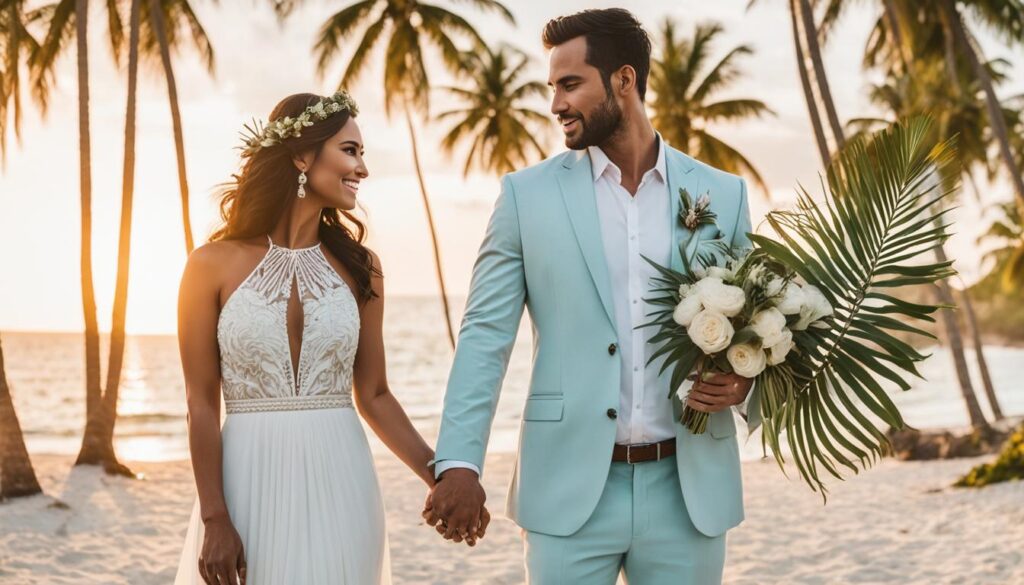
x=258, y=136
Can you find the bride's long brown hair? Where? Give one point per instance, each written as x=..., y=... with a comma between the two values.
x=255, y=200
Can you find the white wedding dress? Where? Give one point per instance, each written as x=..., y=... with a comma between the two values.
x=299, y=479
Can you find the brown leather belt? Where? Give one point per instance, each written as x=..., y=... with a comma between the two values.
x=642, y=453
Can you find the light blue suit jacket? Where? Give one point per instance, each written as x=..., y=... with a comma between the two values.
x=543, y=251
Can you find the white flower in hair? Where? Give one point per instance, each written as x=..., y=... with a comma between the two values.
x=259, y=136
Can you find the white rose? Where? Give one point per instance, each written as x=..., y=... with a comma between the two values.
x=746, y=360
x=792, y=299
x=720, y=272
x=778, y=352
x=769, y=325
x=815, y=306
x=723, y=298
x=707, y=283
x=773, y=287
x=685, y=290
x=711, y=331
x=686, y=310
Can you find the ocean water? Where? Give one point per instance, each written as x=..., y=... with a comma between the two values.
x=46, y=373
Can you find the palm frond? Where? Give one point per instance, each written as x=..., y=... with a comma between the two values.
x=335, y=30
x=361, y=54
x=880, y=211
x=734, y=109
x=450, y=23
x=723, y=73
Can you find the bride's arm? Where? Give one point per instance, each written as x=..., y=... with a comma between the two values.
x=222, y=556
x=198, y=308
x=373, y=397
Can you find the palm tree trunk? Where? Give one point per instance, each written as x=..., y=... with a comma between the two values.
x=98, y=442
x=814, y=48
x=956, y=347
x=433, y=229
x=157, y=16
x=949, y=51
x=997, y=120
x=812, y=105
x=92, y=334
x=902, y=51
x=986, y=378
x=17, y=477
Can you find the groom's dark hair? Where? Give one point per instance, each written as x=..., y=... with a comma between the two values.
x=614, y=38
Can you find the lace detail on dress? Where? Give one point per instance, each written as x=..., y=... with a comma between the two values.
x=252, y=331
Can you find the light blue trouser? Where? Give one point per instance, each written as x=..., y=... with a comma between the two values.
x=640, y=527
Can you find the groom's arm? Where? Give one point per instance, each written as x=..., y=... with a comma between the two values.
x=750, y=409
x=493, y=312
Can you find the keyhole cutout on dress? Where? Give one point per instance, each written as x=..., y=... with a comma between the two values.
x=295, y=323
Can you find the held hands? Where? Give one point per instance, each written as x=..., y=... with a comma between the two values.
x=718, y=391
x=222, y=560
x=455, y=507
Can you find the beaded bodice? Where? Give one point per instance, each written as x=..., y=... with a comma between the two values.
x=257, y=370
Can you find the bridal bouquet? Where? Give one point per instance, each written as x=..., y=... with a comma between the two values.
x=810, y=316
x=740, y=318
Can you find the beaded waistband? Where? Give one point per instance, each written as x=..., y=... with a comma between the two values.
x=288, y=403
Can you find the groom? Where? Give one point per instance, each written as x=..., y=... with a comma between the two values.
x=607, y=480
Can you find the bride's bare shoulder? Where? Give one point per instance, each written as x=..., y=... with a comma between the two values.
x=221, y=262
x=223, y=253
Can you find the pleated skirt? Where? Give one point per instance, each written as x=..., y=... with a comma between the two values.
x=302, y=491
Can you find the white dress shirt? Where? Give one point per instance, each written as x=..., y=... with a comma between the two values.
x=632, y=226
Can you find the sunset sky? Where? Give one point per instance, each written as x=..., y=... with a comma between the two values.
x=259, y=62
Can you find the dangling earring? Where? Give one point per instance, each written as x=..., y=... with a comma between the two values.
x=302, y=183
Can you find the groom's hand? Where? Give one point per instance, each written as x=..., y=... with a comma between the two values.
x=456, y=506
x=718, y=391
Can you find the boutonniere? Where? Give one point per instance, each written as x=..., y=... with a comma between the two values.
x=693, y=215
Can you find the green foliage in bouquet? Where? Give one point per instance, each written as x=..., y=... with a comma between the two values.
x=881, y=211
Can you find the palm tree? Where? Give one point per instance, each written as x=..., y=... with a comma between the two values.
x=1007, y=230
x=944, y=21
x=17, y=477
x=806, y=44
x=684, y=89
x=98, y=439
x=1008, y=17
x=16, y=45
x=502, y=129
x=64, y=19
x=814, y=50
x=805, y=82
x=410, y=26
x=158, y=38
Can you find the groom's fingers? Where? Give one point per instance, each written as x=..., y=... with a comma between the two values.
x=485, y=519
x=707, y=397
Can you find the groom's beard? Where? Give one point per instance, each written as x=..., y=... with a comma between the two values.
x=598, y=127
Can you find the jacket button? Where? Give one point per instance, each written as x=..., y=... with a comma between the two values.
x=612, y=414
x=612, y=349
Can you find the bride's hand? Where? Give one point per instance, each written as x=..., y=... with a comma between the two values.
x=222, y=560
x=430, y=515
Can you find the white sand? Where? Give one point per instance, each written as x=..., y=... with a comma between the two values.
x=897, y=523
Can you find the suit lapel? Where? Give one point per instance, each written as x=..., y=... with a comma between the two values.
x=577, y=184
x=681, y=175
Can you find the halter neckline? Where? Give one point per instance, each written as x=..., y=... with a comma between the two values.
x=307, y=248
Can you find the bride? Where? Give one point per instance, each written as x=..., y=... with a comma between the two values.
x=282, y=313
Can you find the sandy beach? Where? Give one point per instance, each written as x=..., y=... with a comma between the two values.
x=897, y=523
